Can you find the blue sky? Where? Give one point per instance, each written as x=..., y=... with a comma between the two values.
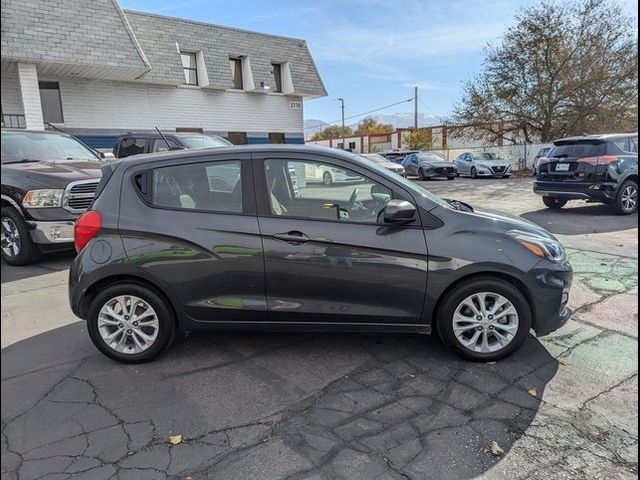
x=372, y=52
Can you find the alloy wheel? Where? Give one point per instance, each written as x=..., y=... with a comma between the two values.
x=11, y=241
x=630, y=198
x=128, y=324
x=485, y=322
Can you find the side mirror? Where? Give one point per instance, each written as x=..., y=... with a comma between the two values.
x=399, y=212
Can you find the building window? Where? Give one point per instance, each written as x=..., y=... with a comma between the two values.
x=51, y=102
x=277, y=76
x=236, y=73
x=276, y=137
x=190, y=68
x=352, y=145
x=237, y=138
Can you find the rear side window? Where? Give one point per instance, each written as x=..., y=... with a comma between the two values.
x=580, y=149
x=213, y=187
x=131, y=146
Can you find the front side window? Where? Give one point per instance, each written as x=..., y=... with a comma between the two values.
x=131, y=146
x=277, y=76
x=236, y=73
x=51, y=102
x=322, y=191
x=190, y=68
x=213, y=187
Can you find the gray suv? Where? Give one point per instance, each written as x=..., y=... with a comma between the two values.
x=237, y=237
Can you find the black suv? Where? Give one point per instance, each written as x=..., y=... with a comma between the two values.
x=597, y=168
x=237, y=237
x=48, y=180
x=136, y=143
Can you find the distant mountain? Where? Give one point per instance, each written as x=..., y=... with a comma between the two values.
x=398, y=120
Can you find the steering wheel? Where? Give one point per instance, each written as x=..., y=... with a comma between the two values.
x=352, y=199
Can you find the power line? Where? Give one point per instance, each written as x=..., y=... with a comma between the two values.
x=361, y=114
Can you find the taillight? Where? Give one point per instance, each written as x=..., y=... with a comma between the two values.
x=86, y=227
x=608, y=160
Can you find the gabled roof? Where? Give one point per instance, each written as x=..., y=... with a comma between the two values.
x=84, y=32
x=158, y=36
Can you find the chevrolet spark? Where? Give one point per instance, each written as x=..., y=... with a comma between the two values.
x=238, y=237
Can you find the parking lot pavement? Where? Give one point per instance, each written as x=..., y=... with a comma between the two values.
x=305, y=406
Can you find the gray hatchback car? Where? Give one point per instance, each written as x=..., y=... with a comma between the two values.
x=232, y=238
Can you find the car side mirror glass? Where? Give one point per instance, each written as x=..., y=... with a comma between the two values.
x=399, y=212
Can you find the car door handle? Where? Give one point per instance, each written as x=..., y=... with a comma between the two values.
x=294, y=237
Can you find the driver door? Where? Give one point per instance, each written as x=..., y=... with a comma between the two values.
x=328, y=257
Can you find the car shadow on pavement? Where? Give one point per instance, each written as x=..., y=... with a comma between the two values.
x=49, y=263
x=582, y=220
x=256, y=405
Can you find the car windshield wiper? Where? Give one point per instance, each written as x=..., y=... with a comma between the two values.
x=458, y=205
x=24, y=160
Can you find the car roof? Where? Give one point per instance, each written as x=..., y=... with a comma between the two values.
x=258, y=148
x=157, y=135
x=598, y=136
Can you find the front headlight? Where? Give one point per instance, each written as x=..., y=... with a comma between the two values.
x=50, y=197
x=540, y=246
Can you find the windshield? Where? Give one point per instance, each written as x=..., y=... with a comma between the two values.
x=203, y=141
x=430, y=157
x=485, y=156
x=29, y=146
x=374, y=157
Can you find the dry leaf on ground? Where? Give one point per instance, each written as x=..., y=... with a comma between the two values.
x=175, y=439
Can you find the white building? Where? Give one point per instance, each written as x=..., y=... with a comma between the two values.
x=97, y=71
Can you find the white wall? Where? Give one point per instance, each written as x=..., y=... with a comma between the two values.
x=102, y=104
x=516, y=154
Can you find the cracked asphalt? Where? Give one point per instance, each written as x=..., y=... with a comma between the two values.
x=314, y=406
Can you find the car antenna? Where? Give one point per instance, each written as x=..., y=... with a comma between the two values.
x=163, y=138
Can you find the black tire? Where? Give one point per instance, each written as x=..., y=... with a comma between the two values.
x=27, y=251
x=164, y=314
x=506, y=176
x=474, y=172
x=622, y=205
x=451, y=178
x=327, y=179
x=421, y=175
x=553, y=202
x=496, y=285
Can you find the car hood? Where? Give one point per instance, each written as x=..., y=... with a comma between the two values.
x=505, y=221
x=392, y=166
x=49, y=174
x=494, y=163
x=436, y=164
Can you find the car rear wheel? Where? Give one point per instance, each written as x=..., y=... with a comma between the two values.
x=130, y=323
x=327, y=179
x=484, y=319
x=627, y=199
x=451, y=178
x=553, y=202
x=474, y=172
x=17, y=246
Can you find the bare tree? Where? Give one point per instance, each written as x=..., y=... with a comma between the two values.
x=564, y=68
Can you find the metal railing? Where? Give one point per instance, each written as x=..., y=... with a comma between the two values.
x=13, y=120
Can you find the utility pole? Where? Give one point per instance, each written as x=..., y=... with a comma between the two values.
x=415, y=107
x=341, y=100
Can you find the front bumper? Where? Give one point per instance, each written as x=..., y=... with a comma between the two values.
x=600, y=192
x=51, y=232
x=549, y=286
x=444, y=172
x=493, y=171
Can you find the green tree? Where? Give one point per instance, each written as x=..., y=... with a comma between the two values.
x=420, y=139
x=564, y=68
x=333, y=131
x=370, y=126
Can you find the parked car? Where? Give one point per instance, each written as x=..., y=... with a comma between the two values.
x=327, y=175
x=483, y=164
x=48, y=179
x=396, y=156
x=380, y=160
x=596, y=168
x=136, y=143
x=162, y=249
x=543, y=152
x=429, y=165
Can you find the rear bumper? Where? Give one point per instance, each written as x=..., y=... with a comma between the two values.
x=600, y=192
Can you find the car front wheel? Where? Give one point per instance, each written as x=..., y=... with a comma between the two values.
x=130, y=323
x=484, y=319
x=627, y=199
x=474, y=172
x=553, y=202
x=17, y=246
